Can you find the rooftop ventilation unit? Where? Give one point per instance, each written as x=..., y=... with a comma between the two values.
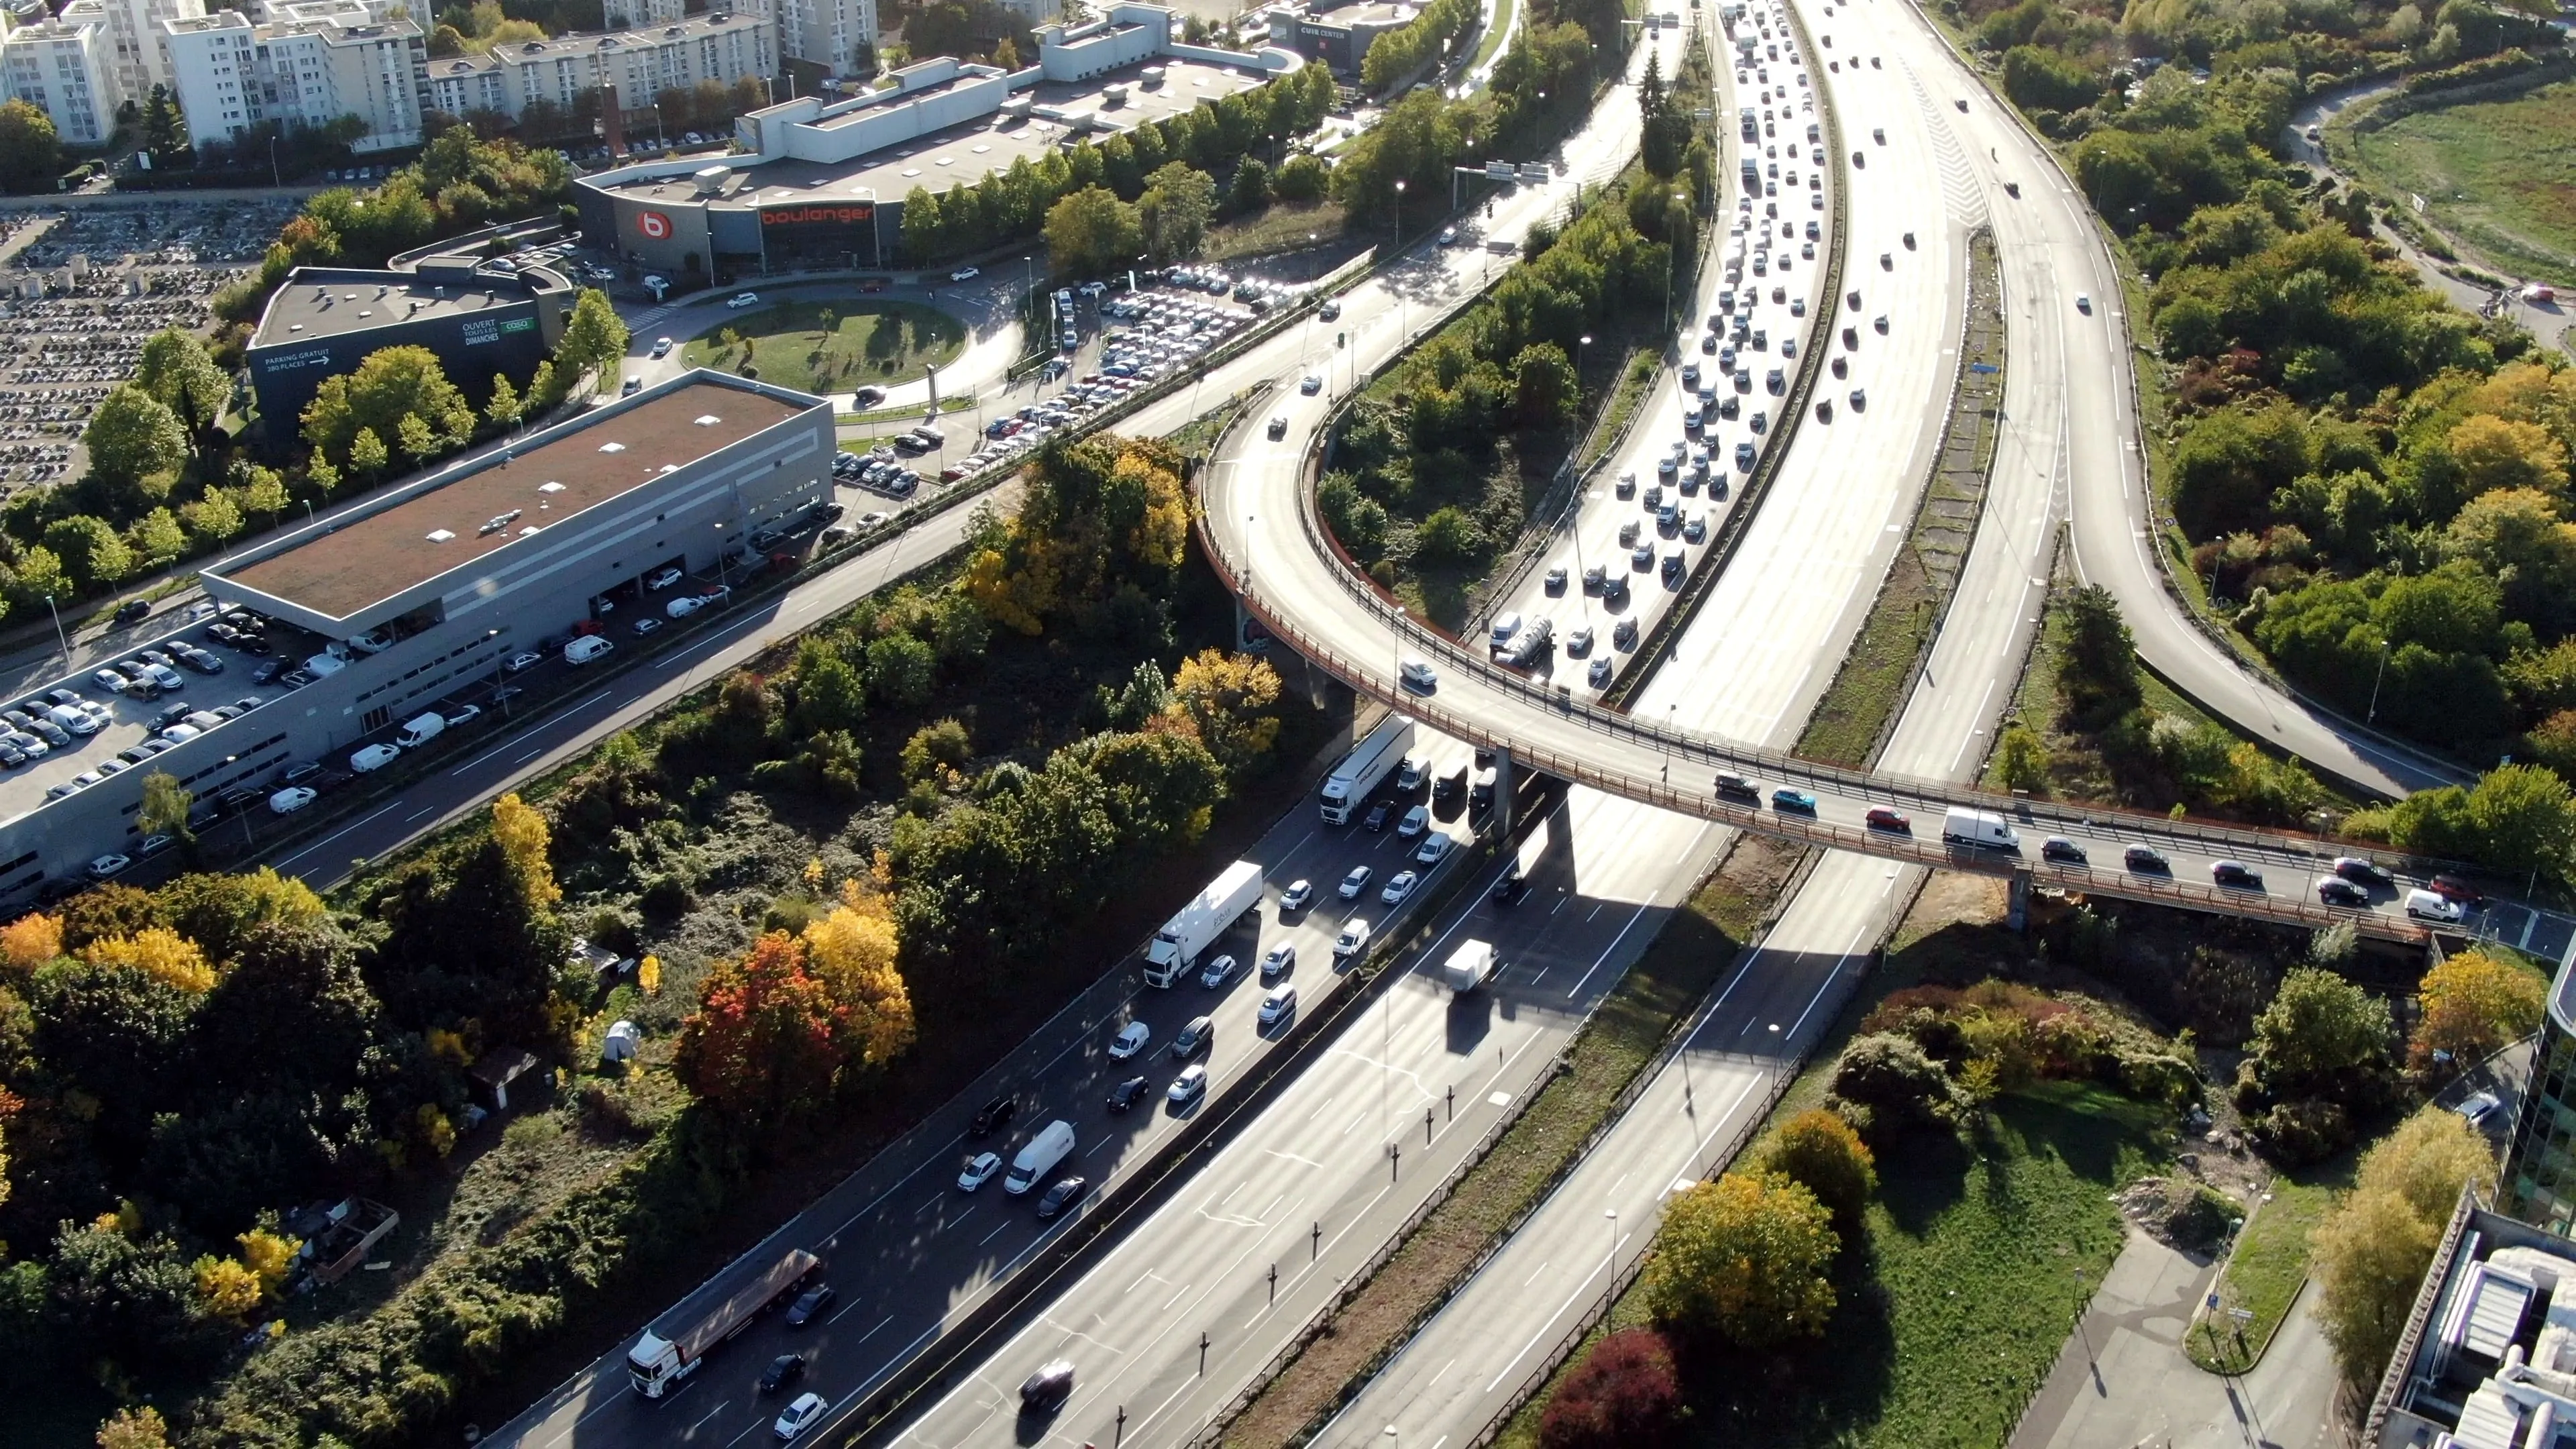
x=441, y=535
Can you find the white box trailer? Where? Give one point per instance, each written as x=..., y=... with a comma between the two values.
x=1363, y=768
x=1981, y=829
x=1176, y=947
x=1470, y=966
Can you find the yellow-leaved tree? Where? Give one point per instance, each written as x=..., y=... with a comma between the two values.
x=1234, y=701
x=852, y=951
x=524, y=838
x=2473, y=1004
x=269, y=1255
x=2370, y=1254
x=158, y=950
x=30, y=941
x=134, y=1429
x=1163, y=532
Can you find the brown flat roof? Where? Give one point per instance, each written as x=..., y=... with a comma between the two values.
x=382, y=554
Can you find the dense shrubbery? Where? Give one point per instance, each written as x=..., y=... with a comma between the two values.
x=1210, y=139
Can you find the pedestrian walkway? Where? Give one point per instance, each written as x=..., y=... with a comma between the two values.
x=2122, y=1381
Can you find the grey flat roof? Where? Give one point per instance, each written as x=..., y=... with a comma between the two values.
x=571, y=468
x=964, y=154
x=309, y=309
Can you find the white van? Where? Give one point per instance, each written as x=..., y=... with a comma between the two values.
x=585, y=649
x=374, y=757
x=1052, y=1145
x=421, y=731
x=2426, y=905
x=1419, y=676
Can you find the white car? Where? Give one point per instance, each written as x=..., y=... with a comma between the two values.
x=661, y=579
x=291, y=799
x=1279, y=1005
x=1298, y=896
x=1434, y=849
x=800, y=1416
x=978, y=1171
x=1313, y=384
x=107, y=866
x=965, y=274
x=1218, y=972
x=1352, y=941
x=1355, y=882
x=1130, y=1041
x=1415, y=821
x=739, y=301
x=661, y=347
x=683, y=606
x=1398, y=888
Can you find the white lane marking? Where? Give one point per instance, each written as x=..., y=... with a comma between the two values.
x=336, y=834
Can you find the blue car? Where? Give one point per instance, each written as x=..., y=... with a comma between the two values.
x=1798, y=800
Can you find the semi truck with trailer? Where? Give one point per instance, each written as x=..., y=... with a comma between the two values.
x=1982, y=829
x=1362, y=769
x=672, y=1349
x=1470, y=966
x=1176, y=947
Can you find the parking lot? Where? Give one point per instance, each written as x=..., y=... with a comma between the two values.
x=84, y=289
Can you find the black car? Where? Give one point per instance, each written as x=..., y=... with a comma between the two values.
x=810, y=1304
x=2148, y=859
x=1447, y=787
x=173, y=715
x=1062, y=1196
x=1045, y=1391
x=2363, y=872
x=2338, y=892
x=1510, y=888
x=783, y=1370
x=131, y=610
x=2236, y=873
x=1126, y=1094
x=2059, y=848
x=268, y=670
x=1378, y=815
x=995, y=1115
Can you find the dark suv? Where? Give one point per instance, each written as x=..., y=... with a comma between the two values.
x=993, y=1117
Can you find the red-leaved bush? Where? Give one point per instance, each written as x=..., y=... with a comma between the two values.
x=1625, y=1396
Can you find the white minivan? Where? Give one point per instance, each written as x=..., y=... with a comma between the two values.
x=585, y=649
x=374, y=757
x=421, y=731
x=2426, y=905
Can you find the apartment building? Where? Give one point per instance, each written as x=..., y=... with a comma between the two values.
x=139, y=58
x=637, y=14
x=66, y=67
x=828, y=33
x=638, y=64
x=326, y=62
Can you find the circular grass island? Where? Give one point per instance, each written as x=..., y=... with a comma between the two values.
x=831, y=345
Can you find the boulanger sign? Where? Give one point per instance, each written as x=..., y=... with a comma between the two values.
x=653, y=224
x=851, y=213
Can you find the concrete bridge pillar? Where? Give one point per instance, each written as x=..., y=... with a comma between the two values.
x=2017, y=914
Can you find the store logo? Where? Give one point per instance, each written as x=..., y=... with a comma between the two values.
x=653, y=224
x=806, y=215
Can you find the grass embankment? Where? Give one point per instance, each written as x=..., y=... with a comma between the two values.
x=2264, y=1273
x=2497, y=176
x=1636, y=384
x=867, y=343
x=1688, y=957
x=1951, y=1315
x=1283, y=228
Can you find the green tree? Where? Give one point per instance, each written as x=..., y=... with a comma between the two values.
x=388, y=383
x=419, y=442
x=165, y=130
x=90, y=550
x=213, y=518
x=156, y=538
x=1822, y=1151
x=503, y=409
x=31, y=156
x=1251, y=189
x=1545, y=385
x=829, y=692
x=1179, y=201
x=263, y=493
x=165, y=806
x=901, y=670
x=1090, y=231
x=593, y=336
x=1449, y=535
x=133, y=437
x=176, y=370
x=2021, y=758
x=1745, y=1257
x=2100, y=671
x=367, y=454
x=941, y=745
x=2318, y=1027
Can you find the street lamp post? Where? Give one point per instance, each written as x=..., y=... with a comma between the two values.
x=2380, y=678
x=59, y=636
x=1610, y=1263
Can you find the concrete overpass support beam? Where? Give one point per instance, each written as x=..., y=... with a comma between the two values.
x=2017, y=914
x=1503, y=791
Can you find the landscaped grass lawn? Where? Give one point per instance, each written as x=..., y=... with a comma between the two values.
x=2498, y=175
x=2264, y=1273
x=870, y=343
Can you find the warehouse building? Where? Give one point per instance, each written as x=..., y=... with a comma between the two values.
x=819, y=182
x=482, y=321
x=417, y=598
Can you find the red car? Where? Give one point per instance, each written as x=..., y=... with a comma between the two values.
x=1882, y=818
x=872, y=284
